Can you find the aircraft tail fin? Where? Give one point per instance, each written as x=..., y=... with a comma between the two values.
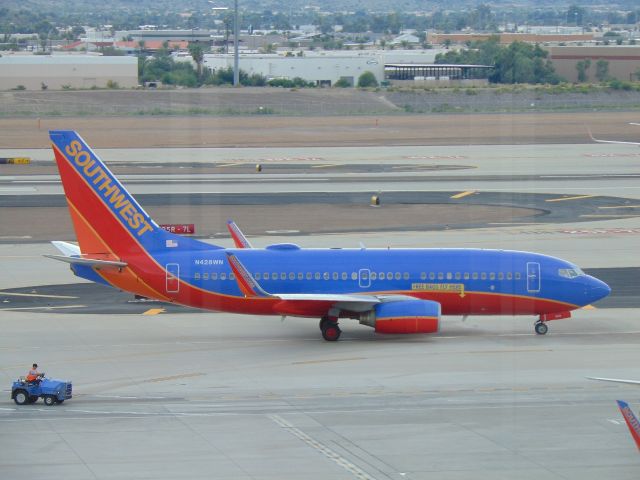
x=632, y=421
x=106, y=218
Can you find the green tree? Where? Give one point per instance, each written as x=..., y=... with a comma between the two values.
x=602, y=70
x=582, y=66
x=575, y=15
x=197, y=53
x=342, y=83
x=268, y=48
x=367, y=79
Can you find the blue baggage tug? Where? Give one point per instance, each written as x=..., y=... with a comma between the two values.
x=51, y=390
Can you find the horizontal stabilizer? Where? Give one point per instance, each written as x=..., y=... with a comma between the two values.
x=90, y=262
x=67, y=249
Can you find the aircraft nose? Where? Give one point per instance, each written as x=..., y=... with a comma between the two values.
x=597, y=290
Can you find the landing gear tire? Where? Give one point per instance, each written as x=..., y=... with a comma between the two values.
x=331, y=331
x=541, y=328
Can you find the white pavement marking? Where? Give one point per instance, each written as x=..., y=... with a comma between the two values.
x=11, y=294
x=326, y=451
x=42, y=308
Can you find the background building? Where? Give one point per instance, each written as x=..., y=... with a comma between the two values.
x=324, y=70
x=36, y=72
x=623, y=62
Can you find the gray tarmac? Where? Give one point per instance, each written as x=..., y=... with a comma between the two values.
x=170, y=394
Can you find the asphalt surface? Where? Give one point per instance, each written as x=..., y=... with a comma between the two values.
x=162, y=392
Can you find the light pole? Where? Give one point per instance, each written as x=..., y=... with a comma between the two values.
x=236, y=57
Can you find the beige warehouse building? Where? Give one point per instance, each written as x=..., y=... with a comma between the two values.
x=624, y=61
x=66, y=71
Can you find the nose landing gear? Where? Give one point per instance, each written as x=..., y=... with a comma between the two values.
x=541, y=327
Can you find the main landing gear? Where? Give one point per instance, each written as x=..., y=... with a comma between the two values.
x=330, y=329
x=541, y=327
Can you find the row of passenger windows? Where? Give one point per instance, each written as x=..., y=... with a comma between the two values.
x=364, y=275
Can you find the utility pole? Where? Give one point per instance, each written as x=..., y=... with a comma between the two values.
x=236, y=58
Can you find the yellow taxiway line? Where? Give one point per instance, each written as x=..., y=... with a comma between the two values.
x=578, y=197
x=463, y=194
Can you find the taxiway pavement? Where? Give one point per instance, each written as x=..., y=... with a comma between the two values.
x=211, y=395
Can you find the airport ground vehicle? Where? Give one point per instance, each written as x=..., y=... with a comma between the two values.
x=52, y=391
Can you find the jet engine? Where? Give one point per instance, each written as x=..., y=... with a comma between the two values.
x=406, y=316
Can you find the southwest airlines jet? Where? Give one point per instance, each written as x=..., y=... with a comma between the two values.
x=392, y=290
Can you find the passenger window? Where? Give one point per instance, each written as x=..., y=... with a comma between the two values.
x=374, y=275
x=335, y=275
x=344, y=275
x=354, y=276
x=398, y=276
x=381, y=276
x=474, y=275
x=466, y=275
x=517, y=275
x=214, y=276
x=423, y=276
x=389, y=276
x=432, y=276
x=283, y=276
x=196, y=276
x=325, y=275
x=500, y=276
x=292, y=276
x=364, y=275
x=316, y=275
x=483, y=276
x=440, y=276
x=308, y=275
x=257, y=276
x=449, y=276
x=492, y=276
x=405, y=275
x=300, y=276
x=458, y=276
x=509, y=276
x=205, y=276
x=274, y=276
x=232, y=276
x=223, y=276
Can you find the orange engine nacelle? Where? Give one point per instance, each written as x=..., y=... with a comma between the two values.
x=405, y=316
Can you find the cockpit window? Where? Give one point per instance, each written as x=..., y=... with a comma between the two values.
x=570, y=272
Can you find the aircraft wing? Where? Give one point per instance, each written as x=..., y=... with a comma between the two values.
x=250, y=288
x=238, y=237
x=616, y=380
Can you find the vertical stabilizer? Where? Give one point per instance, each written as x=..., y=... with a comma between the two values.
x=632, y=421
